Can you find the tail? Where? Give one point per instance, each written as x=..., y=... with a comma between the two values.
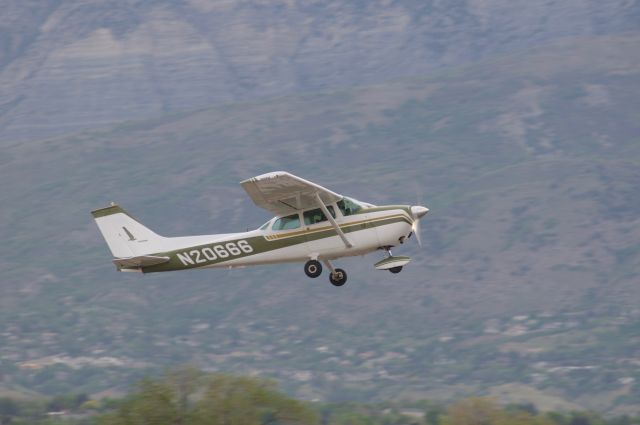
x=126, y=236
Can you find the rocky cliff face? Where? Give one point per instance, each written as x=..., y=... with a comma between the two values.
x=68, y=65
x=528, y=280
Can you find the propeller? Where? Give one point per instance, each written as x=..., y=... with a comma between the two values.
x=417, y=212
x=415, y=228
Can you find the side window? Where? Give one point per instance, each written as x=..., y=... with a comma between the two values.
x=286, y=223
x=317, y=216
x=331, y=211
x=348, y=206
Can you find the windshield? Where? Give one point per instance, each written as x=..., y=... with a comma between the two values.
x=265, y=225
x=349, y=206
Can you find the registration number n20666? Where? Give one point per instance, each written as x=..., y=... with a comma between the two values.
x=214, y=252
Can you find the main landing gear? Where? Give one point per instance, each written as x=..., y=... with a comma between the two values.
x=313, y=269
x=338, y=277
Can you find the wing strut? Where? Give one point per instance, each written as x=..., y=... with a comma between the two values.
x=327, y=214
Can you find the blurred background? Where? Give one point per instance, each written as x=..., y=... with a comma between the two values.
x=516, y=122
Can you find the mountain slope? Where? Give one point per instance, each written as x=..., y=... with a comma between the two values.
x=75, y=64
x=529, y=163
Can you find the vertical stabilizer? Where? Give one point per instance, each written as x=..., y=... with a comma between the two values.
x=126, y=236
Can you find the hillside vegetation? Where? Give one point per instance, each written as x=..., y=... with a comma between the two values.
x=188, y=396
x=526, y=288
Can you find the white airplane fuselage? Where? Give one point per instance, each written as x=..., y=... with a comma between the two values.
x=369, y=230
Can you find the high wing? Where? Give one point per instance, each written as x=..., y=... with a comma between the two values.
x=283, y=193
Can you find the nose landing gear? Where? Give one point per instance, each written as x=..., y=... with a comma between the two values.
x=392, y=263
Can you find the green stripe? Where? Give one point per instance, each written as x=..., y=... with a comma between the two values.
x=111, y=210
x=261, y=245
x=103, y=212
x=405, y=208
x=365, y=223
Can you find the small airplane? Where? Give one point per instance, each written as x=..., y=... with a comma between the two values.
x=312, y=224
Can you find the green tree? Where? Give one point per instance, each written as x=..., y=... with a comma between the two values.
x=188, y=397
x=229, y=400
x=473, y=411
x=66, y=402
x=484, y=411
x=153, y=404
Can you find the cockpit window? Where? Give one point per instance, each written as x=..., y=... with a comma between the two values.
x=265, y=225
x=286, y=223
x=317, y=216
x=348, y=206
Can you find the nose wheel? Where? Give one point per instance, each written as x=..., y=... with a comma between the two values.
x=392, y=263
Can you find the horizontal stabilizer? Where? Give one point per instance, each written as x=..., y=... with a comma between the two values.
x=142, y=261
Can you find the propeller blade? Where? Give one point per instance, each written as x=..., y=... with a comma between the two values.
x=418, y=212
x=415, y=227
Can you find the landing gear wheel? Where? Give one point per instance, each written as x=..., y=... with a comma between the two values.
x=313, y=268
x=338, y=278
x=395, y=270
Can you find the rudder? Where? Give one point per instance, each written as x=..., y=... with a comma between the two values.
x=125, y=236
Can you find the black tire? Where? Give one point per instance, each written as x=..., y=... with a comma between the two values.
x=313, y=268
x=338, y=278
x=395, y=270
